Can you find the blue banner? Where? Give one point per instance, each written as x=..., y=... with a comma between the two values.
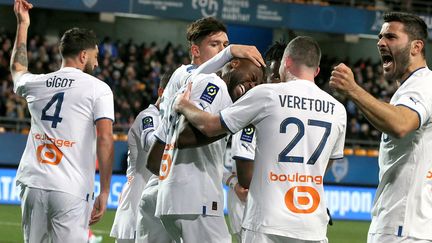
x=354, y=170
x=345, y=203
x=349, y=203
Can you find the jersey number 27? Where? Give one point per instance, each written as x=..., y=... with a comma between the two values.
x=284, y=157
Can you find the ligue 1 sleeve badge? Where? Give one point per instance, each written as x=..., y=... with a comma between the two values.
x=209, y=93
x=147, y=122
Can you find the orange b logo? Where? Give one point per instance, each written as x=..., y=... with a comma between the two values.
x=165, y=166
x=302, y=199
x=49, y=154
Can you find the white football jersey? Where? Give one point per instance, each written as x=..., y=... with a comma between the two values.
x=178, y=79
x=194, y=172
x=137, y=174
x=299, y=128
x=242, y=148
x=403, y=201
x=60, y=153
x=182, y=75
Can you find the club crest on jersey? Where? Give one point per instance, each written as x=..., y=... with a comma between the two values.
x=147, y=122
x=209, y=93
x=247, y=134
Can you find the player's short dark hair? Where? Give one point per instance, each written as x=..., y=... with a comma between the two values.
x=203, y=27
x=165, y=78
x=414, y=26
x=304, y=50
x=275, y=51
x=75, y=40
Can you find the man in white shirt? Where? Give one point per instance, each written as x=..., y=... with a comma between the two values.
x=72, y=114
x=197, y=172
x=299, y=128
x=243, y=145
x=207, y=37
x=140, y=138
x=402, y=210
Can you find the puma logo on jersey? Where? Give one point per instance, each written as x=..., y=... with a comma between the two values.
x=414, y=100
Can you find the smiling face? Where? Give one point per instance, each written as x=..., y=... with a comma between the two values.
x=395, y=49
x=241, y=75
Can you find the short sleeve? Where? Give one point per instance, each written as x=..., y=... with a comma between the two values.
x=251, y=108
x=210, y=93
x=104, y=103
x=338, y=149
x=22, y=80
x=243, y=144
x=161, y=131
x=418, y=100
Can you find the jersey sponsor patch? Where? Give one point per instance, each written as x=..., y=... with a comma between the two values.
x=147, y=122
x=247, y=134
x=209, y=92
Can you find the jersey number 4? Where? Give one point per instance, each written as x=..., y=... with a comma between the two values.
x=55, y=118
x=284, y=157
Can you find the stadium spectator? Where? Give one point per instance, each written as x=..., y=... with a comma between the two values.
x=71, y=127
x=402, y=202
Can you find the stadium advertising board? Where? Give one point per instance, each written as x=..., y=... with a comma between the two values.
x=354, y=170
x=309, y=17
x=347, y=203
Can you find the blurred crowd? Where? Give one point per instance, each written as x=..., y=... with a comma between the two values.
x=133, y=72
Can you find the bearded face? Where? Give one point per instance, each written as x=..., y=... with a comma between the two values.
x=394, y=46
x=395, y=61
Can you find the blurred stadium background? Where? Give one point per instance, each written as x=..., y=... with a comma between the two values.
x=140, y=40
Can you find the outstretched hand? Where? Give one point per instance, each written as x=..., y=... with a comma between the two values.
x=183, y=99
x=249, y=52
x=342, y=79
x=21, y=9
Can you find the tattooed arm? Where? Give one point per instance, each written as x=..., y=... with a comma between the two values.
x=19, y=62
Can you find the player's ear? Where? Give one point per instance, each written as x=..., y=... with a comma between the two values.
x=82, y=56
x=195, y=52
x=416, y=47
x=235, y=63
x=317, y=71
x=160, y=91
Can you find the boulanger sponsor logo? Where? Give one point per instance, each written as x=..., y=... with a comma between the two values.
x=49, y=151
x=247, y=134
x=300, y=199
x=49, y=154
x=429, y=175
x=166, y=162
x=209, y=93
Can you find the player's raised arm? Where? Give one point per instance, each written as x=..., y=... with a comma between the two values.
x=19, y=62
x=397, y=121
x=105, y=155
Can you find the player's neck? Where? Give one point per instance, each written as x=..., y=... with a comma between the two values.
x=68, y=62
